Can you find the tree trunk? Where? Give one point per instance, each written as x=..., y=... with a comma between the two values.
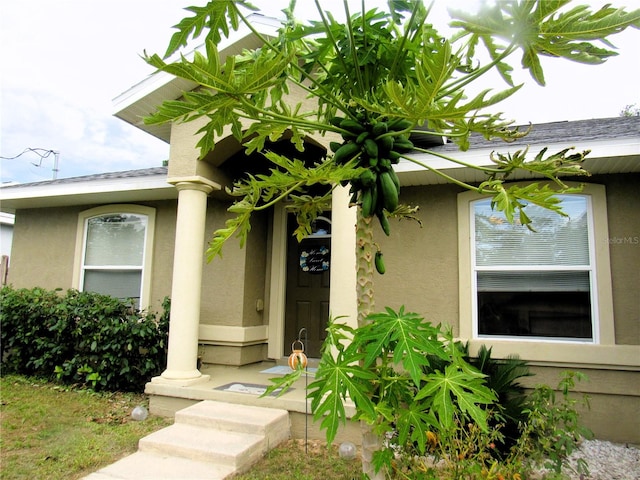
x=365, y=252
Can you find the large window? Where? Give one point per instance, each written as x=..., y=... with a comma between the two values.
x=534, y=283
x=523, y=292
x=115, y=250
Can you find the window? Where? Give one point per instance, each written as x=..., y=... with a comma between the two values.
x=534, y=284
x=551, y=285
x=115, y=252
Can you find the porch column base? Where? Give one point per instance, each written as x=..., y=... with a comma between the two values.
x=180, y=379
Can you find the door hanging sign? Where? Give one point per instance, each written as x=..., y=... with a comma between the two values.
x=314, y=259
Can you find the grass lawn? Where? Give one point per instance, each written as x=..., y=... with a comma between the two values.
x=48, y=431
x=53, y=432
x=293, y=460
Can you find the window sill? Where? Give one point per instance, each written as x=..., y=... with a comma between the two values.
x=573, y=354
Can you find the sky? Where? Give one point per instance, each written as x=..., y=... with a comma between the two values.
x=63, y=62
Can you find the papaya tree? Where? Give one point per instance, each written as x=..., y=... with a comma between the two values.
x=373, y=79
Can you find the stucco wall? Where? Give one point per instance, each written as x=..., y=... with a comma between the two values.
x=163, y=247
x=422, y=274
x=623, y=203
x=45, y=243
x=43, y=248
x=222, y=278
x=255, y=272
x=422, y=262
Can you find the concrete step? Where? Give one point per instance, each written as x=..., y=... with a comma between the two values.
x=205, y=444
x=272, y=423
x=150, y=466
x=208, y=441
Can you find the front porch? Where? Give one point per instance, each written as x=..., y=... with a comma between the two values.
x=237, y=385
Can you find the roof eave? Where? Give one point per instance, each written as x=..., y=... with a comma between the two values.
x=142, y=99
x=605, y=157
x=136, y=189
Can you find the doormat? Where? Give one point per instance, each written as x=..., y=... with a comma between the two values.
x=284, y=369
x=248, y=388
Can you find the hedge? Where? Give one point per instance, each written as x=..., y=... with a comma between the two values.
x=81, y=338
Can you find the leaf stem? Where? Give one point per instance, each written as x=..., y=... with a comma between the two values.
x=447, y=177
x=459, y=162
x=458, y=84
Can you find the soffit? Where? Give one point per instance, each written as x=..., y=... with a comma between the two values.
x=87, y=191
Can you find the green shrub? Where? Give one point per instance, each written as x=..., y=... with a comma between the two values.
x=81, y=338
x=436, y=411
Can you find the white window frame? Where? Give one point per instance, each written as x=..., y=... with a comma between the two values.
x=590, y=269
x=147, y=261
x=601, y=350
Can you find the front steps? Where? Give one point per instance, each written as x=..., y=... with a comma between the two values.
x=209, y=440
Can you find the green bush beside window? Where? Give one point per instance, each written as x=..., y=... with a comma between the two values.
x=81, y=338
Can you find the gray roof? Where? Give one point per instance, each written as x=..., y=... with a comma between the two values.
x=614, y=143
x=127, y=174
x=577, y=131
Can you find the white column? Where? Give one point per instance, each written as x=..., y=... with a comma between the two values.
x=342, y=296
x=186, y=285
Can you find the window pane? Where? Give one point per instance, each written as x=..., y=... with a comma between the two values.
x=567, y=281
x=116, y=239
x=557, y=240
x=536, y=304
x=118, y=284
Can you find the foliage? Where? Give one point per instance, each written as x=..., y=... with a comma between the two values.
x=440, y=410
x=373, y=80
x=631, y=110
x=63, y=433
x=552, y=428
x=381, y=369
x=81, y=338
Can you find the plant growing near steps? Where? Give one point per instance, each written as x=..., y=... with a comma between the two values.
x=440, y=411
x=384, y=368
x=372, y=80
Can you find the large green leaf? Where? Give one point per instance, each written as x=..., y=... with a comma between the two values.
x=405, y=335
x=462, y=386
x=215, y=17
x=544, y=28
x=413, y=423
x=336, y=381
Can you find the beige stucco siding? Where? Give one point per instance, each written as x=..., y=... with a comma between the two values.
x=255, y=272
x=422, y=263
x=223, y=278
x=623, y=203
x=422, y=268
x=43, y=248
x=163, y=247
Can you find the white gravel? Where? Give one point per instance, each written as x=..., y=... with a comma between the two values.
x=608, y=461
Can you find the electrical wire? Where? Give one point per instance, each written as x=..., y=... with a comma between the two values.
x=46, y=153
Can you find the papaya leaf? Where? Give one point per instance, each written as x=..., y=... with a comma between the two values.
x=405, y=334
x=280, y=385
x=215, y=17
x=336, y=380
x=467, y=389
x=413, y=423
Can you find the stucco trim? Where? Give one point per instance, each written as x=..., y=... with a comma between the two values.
x=232, y=336
x=618, y=357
